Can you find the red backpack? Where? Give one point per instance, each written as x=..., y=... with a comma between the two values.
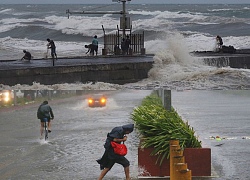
x=119, y=149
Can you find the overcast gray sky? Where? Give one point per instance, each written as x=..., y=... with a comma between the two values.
x=132, y=1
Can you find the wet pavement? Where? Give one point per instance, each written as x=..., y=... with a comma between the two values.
x=76, y=141
x=78, y=134
x=73, y=61
x=224, y=114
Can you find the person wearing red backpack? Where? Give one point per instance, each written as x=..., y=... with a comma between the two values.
x=109, y=158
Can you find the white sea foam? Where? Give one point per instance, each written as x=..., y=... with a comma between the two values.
x=159, y=17
x=5, y=28
x=65, y=86
x=226, y=9
x=168, y=14
x=193, y=42
x=173, y=68
x=12, y=23
x=5, y=11
x=196, y=42
x=19, y=21
x=87, y=26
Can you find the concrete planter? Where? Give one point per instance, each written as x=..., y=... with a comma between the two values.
x=198, y=160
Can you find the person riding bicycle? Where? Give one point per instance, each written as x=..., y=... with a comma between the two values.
x=45, y=113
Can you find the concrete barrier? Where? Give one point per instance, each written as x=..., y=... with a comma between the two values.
x=118, y=73
x=240, y=59
x=231, y=61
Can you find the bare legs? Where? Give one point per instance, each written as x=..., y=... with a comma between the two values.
x=103, y=173
x=49, y=125
x=106, y=170
x=41, y=128
x=126, y=170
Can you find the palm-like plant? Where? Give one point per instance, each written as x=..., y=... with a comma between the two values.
x=158, y=126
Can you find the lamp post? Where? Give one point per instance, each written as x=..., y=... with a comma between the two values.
x=123, y=20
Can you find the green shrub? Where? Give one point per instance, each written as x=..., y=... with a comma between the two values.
x=158, y=126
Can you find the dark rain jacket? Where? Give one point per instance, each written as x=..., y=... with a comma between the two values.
x=44, y=111
x=117, y=132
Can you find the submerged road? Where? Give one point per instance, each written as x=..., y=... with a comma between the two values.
x=76, y=141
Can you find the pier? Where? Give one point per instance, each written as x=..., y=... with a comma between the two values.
x=239, y=59
x=110, y=69
x=115, y=69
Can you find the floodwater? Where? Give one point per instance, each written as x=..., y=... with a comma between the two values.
x=76, y=141
x=225, y=114
x=78, y=134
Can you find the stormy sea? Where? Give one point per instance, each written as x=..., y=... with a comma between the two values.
x=171, y=32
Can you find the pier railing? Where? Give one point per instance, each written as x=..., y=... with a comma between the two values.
x=112, y=41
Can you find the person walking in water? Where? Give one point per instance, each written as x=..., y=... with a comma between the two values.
x=109, y=158
x=45, y=113
x=51, y=45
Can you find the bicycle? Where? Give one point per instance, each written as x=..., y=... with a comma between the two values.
x=46, y=131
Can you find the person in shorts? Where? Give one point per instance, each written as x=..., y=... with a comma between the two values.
x=45, y=113
x=109, y=158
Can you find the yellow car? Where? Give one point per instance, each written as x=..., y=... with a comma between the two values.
x=97, y=100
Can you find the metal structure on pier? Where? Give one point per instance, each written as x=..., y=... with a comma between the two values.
x=112, y=41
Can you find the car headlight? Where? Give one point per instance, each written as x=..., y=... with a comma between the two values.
x=90, y=101
x=6, y=96
x=103, y=100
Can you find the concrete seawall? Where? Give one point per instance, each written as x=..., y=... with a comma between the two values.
x=236, y=60
x=231, y=61
x=118, y=71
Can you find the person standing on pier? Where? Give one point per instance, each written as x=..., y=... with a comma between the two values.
x=124, y=47
x=127, y=44
x=51, y=45
x=94, y=46
x=219, y=42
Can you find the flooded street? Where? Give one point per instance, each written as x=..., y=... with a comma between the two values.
x=224, y=114
x=79, y=132
x=76, y=141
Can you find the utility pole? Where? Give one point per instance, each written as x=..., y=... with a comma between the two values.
x=124, y=21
